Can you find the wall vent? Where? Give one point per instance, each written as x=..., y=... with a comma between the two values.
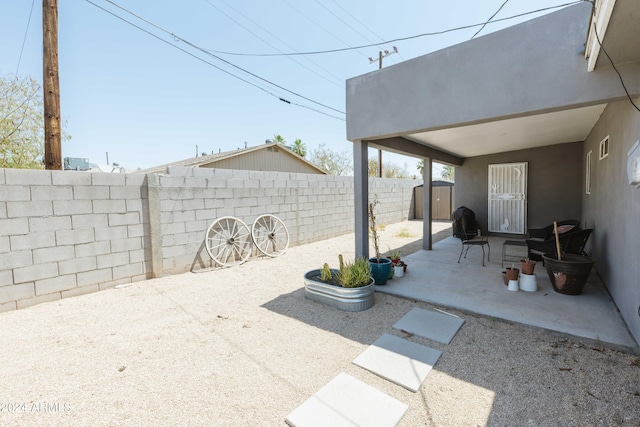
x=604, y=148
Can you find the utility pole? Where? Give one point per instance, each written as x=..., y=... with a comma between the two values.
x=51, y=86
x=371, y=61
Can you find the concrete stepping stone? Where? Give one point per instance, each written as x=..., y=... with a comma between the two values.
x=400, y=361
x=429, y=324
x=346, y=401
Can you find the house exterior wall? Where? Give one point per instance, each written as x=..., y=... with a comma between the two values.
x=267, y=159
x=553, y=187
x=536, y=66
x=613, y=209
x=66, y=233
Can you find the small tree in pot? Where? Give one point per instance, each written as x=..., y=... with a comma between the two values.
x=380, y=267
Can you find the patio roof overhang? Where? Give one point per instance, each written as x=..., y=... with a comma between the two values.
x=523, y=87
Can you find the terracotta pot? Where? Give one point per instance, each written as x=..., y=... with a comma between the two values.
x=527, y=267
x=512, y=273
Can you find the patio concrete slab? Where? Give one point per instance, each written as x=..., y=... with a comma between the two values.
x=429, y=324
x=436, y=277
x=346, y=401
x=400, y=361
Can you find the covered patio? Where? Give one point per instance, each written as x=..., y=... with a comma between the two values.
x=436, y=277
x=538, y=105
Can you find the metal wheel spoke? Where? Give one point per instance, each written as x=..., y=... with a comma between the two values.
x=270, y=235
x=226, y=239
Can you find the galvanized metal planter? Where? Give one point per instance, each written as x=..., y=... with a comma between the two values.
x=345, y=299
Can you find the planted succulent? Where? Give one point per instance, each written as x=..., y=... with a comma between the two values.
x=355, y=274
x=325, y=273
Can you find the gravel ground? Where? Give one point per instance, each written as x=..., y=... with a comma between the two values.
x=242, y=346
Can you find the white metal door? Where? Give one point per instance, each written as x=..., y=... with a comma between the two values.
x=508, y=198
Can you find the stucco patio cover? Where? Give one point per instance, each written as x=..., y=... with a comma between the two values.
x=522, y=87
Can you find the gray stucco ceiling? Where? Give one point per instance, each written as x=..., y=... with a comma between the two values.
x=513, y=134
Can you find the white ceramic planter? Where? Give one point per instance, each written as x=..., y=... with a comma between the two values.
x=528, y=282
x=513, y=285
x=398, y=271
x=345, y=299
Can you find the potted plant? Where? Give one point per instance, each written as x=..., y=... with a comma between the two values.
x=380, y=267
x=513, y=273
x=349, y=288
x=394, y=256
x=527, y=265
x=399, y=268
x=568, y=272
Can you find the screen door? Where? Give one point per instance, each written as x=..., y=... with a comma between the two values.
x=508, y=198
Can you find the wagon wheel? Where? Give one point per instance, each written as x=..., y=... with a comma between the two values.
x=228, y=241
x=270, y=235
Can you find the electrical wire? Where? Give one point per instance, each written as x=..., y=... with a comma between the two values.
x=343, y=21
x=362, y=25
x=215, y=66
x=434, y=33
x=25, y=37
x=489, y=20
x=323, y=29
x=340, y=85
x=614, y=67
x=177, y=38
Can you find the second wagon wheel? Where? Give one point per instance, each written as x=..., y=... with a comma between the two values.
x=270, y=235
x=228, y=241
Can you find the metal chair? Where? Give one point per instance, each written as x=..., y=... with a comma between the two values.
x=546, y=233
x=572, y=242
x=470, y=238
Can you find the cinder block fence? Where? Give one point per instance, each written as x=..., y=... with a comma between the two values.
x=67, y=233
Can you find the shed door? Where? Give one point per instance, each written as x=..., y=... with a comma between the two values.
x=508, y=198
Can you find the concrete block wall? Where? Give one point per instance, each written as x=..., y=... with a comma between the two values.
x=313, y=207
x=67, y=233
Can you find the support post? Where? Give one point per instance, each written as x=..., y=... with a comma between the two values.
x=51, y=86
x=427, y=215
x=155, y=225
x=361, y=197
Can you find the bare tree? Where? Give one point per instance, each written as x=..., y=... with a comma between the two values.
x=334, y=162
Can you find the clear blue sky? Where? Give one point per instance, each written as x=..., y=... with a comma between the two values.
x=146, y=103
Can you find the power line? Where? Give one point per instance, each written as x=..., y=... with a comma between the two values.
x=343, y=21
x=217, y=67
x=178, y=38
x=434, y=33
x=269, y=44
x=361, y=24
x=25, y=37
x=321, y=27
x=614, y=67
x=489, y=20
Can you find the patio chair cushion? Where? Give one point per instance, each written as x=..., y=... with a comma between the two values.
x=565, y=228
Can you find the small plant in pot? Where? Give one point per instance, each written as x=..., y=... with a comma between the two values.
x=398, y=267
x=513, y=273
x=380, y=267
x=527, y=265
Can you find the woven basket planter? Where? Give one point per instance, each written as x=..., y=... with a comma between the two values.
x=569, y=275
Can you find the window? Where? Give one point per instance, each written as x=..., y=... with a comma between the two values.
x=588, y=177
x=604, y=148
